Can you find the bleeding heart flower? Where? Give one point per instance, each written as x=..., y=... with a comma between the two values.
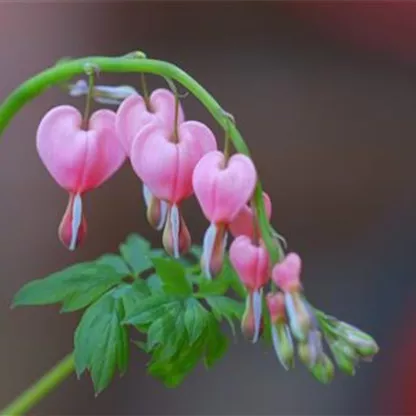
x=222, y=189
x=243, y=223
x=280, y=332
x=251, y=263
x=79, y=160
x=286, y=276
x=133, y=115
x=165, y=165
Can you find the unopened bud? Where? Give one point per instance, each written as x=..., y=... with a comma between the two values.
x=323, y=370
x=364, y=344
x=299, y=315
x=252, y=322
x=104, y=94
x=310, y=351
x=283, y=344
x=345, y=356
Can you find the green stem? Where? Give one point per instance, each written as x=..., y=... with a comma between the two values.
x=88, y=100
x=145, y=92
x=41, y=388
x=64, y=71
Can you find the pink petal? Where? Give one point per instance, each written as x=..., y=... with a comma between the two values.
x=132, y=115
x=213, y=250
x=251, y=262
x=243, y=222
x=286, y=274
x=176, y=238
x=79, y=160
x=166, y=167
x=73, y=227
x=223, y=192
x=276, y=306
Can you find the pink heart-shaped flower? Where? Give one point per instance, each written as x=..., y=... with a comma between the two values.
x=79, y=160
x=165, y=166
x=223, y=189
x=132, y=115
x=250, y=261
x=243, y=222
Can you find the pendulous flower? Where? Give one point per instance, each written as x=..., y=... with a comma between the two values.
x=222, y=188
x=165, y=163
x=80, y=158
x=243, y=223
x=281, y=336
x=251, y=262
x=286, y=275
x=134, y=114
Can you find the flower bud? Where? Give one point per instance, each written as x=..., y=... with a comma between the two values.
x=363, y=343
x=310, y=351
x=344, y=355
x=299, y=315
x=252, y=321
x=104, y=94
x=283, y=344
x=323, y=370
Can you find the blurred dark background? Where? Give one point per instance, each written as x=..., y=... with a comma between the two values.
x=325, y=95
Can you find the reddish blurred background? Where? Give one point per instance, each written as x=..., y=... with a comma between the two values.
x=325, y=94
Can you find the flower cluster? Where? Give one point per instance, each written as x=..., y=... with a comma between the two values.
x=176, y=158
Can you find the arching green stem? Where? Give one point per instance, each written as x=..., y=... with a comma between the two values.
x=28, y=399
x=64, y=71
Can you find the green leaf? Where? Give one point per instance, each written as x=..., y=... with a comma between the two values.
x=133, y=295
x=171, y=371
x=101, y=342
x=224, y=307
x=196, y=319
x=76, y=286
x=116, y=262
x=231, y=276
x=173, y=276
x=167, y=330
x=217, y=286
x=151, y=309
x=216, y=344
x=154, y=283
x=135, y=251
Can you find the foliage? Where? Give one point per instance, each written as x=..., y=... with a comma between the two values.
x=172, y=308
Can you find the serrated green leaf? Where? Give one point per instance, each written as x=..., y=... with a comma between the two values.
x=151, y=308
x=167, y=329
x=101, y=342
x=216, y=344
x=90, y=322
x=195, y=319
x=217, y=286
x=173, y=370
x=173, y=276
x=76, y=287
x=135, y=251
x=227, y=308
x=133, y=295
x=116, y=262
